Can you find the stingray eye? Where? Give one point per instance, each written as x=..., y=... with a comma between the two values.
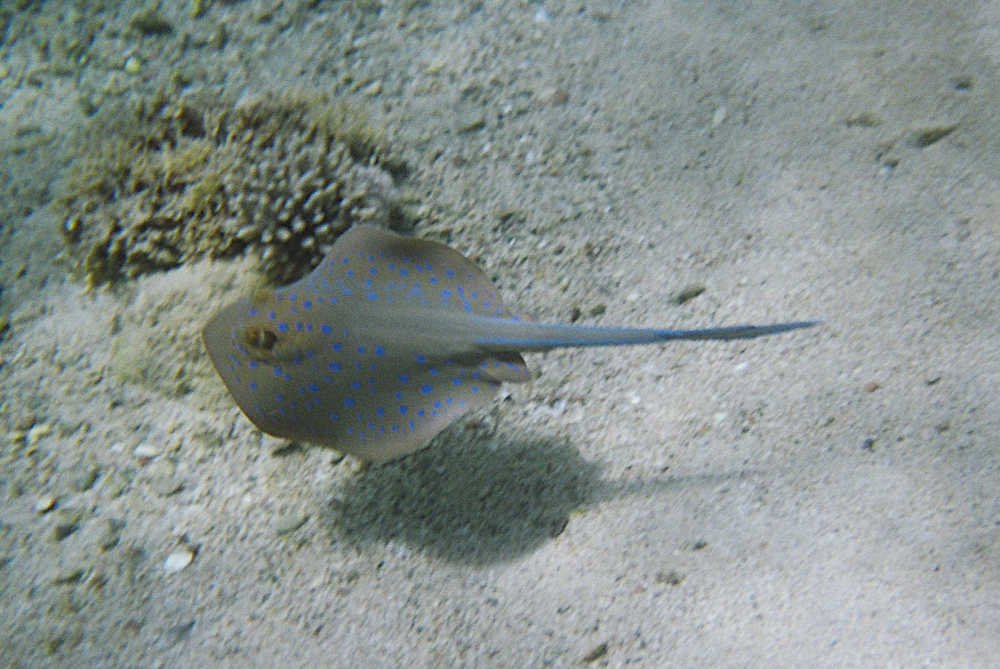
x=259, y=338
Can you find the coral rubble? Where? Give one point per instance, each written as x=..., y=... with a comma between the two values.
x=177, y=177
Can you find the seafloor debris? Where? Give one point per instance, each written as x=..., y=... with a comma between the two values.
x=178, y=177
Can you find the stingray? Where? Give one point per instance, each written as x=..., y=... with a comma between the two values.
x=387, y=341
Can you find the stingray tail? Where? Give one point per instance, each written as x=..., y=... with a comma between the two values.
x=507, y=335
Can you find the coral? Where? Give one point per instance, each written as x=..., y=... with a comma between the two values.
x=176, y=178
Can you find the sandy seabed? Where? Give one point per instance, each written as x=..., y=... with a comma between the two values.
x=829, y=497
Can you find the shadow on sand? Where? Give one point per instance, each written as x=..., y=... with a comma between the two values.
x=480, y=503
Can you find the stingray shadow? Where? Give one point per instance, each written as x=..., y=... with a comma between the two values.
x=476, y=501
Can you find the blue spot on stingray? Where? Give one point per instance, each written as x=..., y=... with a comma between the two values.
x=379, y=411
x=432, y=371
x=403, y=272
x=293, y=310
x=361, y=349
x=346, y=291
x=395, y=428
x=279, y=398
x=473, y=295
x=485, y=303
x=398, y=395
x=391, y=266
x=421, y=358
x=475, y=389
x=357, y=366
x=350, y=430
x=466, y=305
x=412, y=425
x=337, y=346
x=251, y=312
x=253, y=364
x=286, y=376
x=349, y=401
x=426, y=388
x=371, y=425
x=433, y=279
x=334, y=367
x=252, y=385
x=372, y=296
x=402, y=408
x=298, y=325
x=325, y=329
x=313, y=388
x=447, y=400
x=292, y=297
x=334, y=417
x=369, y=282
x=277, y=370
x=282, y=326
x=437, y=404
x=456, y=381
x=449, y=273
x=307, y=304
x=349, y=273
x=372, y=271
x=380, y=350
x=420, y=412
x=403, y=378
x=356, y=385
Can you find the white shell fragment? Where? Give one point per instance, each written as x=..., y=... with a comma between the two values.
x=178, y=560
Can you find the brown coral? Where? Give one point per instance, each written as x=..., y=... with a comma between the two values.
x=184, y=177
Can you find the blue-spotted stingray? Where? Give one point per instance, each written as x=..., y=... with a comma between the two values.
x=387, y=341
